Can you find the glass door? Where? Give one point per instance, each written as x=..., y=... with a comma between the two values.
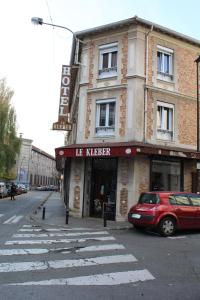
x=103, y=185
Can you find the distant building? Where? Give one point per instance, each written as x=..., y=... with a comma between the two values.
x=34, y=166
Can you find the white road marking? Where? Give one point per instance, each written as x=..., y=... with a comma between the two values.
x=101, y=248
x=14, y=219
x=42, y=235
x=7, y=252
x=33, y=242
x=10, y=220
x=26, y=229
x=1, y=215
x=98, y=279
x=176, y=237
x=70, y=263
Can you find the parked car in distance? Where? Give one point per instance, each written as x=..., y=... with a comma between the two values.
x=3, y=190
x=21, y=188
x=166, y=212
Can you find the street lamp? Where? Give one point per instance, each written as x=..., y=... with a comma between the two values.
x=39, y=21
x=197, y=61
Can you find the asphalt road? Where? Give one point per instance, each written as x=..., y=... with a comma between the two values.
x=54, y=262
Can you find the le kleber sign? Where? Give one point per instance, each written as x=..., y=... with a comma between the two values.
x=96, y=152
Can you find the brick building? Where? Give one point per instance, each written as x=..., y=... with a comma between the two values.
x=133, y=111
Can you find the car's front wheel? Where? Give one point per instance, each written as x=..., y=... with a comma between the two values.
x=167, y=226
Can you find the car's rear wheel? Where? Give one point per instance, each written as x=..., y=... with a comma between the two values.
x=167, y=226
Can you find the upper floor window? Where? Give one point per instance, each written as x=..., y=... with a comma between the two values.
x=108, y=60
x=105, y=117
x=165, y=63
x=165, y=116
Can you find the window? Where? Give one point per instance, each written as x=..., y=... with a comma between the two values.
x=165, y=115
x=108, y=60
x=149, y=199
x=164, y=63
x=165, y=175
x=179, y=200
x=195, y=200
x=182, y=200
x=105, y=117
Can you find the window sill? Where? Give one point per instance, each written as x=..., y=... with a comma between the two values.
x=107, y=78
x=166, y=78
x=165, y=140
x=100, y=136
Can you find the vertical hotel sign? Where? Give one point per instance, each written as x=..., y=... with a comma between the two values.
x=63, y=115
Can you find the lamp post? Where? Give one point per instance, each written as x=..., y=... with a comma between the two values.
x=197, y=61
x=39, y=21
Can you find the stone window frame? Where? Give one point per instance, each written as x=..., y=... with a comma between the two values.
x=161, y=74
x=162, y=132
x=105, y=131
x=109, y=49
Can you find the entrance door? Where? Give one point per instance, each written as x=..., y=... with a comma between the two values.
x=104, y=185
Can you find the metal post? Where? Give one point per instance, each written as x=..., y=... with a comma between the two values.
x=104, y=215
x=197, y=62
x=67, y=216
x=43, y=213
x=198, y=141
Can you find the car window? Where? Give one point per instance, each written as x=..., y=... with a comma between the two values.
x=149, y=199
x=195, y=199
x=172, y=200
x=182, y=200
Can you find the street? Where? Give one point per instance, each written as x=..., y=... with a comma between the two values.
x=46, y=260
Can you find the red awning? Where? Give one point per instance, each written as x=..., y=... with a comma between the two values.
x=103, y=151
x=123, y=149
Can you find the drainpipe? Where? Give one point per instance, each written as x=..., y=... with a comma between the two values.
x=146, y=82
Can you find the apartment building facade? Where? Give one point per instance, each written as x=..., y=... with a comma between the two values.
x=133, y=112
x=34, y=166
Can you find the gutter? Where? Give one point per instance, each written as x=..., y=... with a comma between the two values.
x=146, y=82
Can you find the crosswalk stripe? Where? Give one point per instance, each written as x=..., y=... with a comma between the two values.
x=7, y=252
x=59, y=264
x=14, y=219
x=57, y=234
x=26, y=229
x=176, y=237
x=98, y=279
x=82, y=240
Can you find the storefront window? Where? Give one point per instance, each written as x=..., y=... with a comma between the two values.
x=165, y=176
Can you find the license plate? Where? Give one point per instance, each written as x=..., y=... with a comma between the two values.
x=136, y=216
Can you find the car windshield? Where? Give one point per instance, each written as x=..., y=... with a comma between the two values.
x=149, y=199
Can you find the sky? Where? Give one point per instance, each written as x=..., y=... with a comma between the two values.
x=31, y=57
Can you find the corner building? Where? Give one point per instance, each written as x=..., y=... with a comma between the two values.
x=133, y=111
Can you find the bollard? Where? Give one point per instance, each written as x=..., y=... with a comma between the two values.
x=43, y=213
x=104, y=220
x=104, y=215
x=67, y=216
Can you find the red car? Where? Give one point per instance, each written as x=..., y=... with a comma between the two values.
x=166, y=212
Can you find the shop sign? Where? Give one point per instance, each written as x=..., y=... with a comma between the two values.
x=63, y=114
x=96, y=152
x=62, y=126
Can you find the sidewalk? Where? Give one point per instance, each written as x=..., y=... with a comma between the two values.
x=55, y=214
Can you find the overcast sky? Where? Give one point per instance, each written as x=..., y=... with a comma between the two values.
x=31, y=57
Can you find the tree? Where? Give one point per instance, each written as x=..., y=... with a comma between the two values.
x=9, y=142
